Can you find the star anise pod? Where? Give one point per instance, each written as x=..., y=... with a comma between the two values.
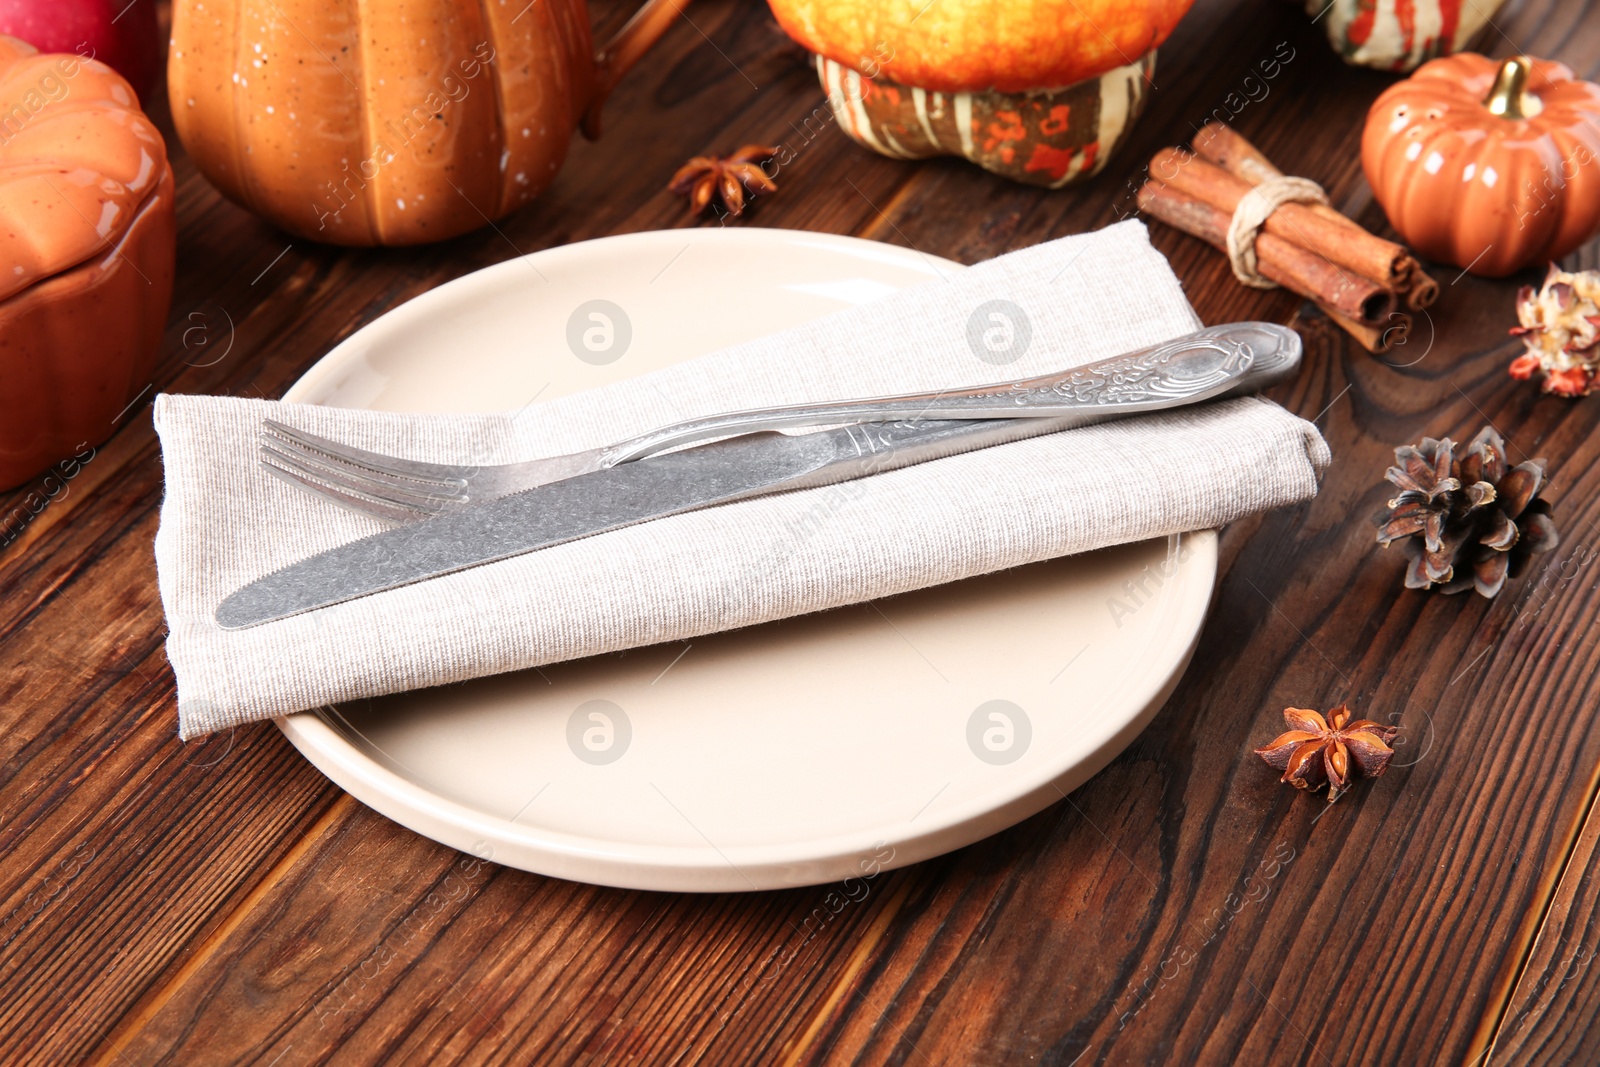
x=1466, y=521
x=724, y=177
x=1317, y=751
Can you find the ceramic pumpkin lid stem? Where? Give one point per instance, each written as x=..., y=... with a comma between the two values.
x=1509, y=97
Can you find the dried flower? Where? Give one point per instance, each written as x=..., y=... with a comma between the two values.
x=1317, y=751
x=1466, y=523
x=725, y=178
x=1560, y=325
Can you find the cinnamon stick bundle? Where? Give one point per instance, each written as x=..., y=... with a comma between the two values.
x=1359, y=280
x=1348, y=246
x=1291, y=266
x=1228, y=149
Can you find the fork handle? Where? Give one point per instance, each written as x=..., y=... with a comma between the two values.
x=1234, y=358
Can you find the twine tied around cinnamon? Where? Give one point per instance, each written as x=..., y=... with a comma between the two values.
x=1251, y=214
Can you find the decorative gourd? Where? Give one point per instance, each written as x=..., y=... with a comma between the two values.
x=1041, y=91
x=1489, y=166
x=87, y=245
x=1049, y=137
x=390, y=123
x=958, y=46
x=1399, y=34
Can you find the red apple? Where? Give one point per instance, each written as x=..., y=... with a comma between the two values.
x=119, y=33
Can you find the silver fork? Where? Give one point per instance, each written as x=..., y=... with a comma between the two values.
x=1171, y=374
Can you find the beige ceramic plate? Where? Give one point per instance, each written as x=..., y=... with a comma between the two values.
x=797, y=752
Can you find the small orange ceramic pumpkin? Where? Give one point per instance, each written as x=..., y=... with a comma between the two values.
x=87, y=244
x=390, y=123
x=1489, y=166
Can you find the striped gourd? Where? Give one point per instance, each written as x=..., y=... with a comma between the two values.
x=1048, y=137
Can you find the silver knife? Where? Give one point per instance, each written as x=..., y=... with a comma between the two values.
x=733, y=469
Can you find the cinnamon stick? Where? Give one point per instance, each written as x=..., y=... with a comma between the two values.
x=1423, y=290
x=1375, y=339
x=1291, y=266
x=1344, y=243
x=1221, y=144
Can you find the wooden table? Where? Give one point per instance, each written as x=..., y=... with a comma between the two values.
x=224, y=903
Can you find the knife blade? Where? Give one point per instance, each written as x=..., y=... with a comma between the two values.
x=602, y=501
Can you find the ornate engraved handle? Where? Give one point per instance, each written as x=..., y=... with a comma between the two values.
x=1235, y=358
x=1177, y=370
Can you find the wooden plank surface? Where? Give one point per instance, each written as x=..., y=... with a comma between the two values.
x=1551, y=1016
x=222, y=903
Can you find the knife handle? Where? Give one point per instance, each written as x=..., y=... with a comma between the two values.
x=1220, y=360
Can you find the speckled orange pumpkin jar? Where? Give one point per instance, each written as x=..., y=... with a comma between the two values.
x=396, y=123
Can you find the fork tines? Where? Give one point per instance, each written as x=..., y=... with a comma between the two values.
x=399, y=490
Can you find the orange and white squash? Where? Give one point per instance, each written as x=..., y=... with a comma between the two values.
x=1049, y=137
x=1008, y=46
x=1400, y=34
x=1041, y=91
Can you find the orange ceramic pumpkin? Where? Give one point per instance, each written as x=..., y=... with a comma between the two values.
x=87, y=244
x=965, y=45
x=390, y=123
x=1490, y=166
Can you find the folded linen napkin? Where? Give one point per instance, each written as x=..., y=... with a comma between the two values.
x=225, y=522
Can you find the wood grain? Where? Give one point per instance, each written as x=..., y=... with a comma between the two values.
x=223, y=903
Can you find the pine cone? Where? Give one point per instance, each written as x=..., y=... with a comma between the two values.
x=1560, y=325
x=1469, y=522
